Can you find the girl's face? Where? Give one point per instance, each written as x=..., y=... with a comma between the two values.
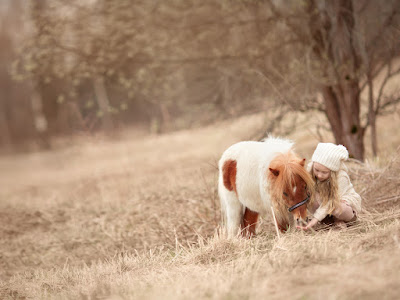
x=321, y=172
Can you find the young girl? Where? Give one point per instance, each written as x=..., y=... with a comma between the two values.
x=334, y=193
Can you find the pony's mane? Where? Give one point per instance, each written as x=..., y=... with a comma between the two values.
x=289, y=166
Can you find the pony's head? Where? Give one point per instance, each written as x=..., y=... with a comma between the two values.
x=290, y=186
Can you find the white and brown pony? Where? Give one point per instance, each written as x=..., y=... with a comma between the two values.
x=255, y=175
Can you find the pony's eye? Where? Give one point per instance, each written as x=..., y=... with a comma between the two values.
x=285, y=194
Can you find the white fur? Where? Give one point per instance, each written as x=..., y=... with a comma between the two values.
x=253, y=159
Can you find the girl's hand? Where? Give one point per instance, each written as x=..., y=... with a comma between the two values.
x=309, y=225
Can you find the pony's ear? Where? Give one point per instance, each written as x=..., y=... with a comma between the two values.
x=274, y=171
x=303, y=162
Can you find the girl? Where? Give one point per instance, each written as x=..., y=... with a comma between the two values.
x=334, y=193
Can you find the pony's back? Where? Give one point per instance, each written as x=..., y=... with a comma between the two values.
x=250, y=152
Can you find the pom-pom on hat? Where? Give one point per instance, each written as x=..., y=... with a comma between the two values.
x=330, y=155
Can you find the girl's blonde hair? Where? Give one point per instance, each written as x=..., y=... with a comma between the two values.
x=328, y=191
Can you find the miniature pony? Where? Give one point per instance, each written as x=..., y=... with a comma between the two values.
x=255, y=175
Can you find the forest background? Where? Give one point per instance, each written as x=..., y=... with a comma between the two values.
x=100, y=65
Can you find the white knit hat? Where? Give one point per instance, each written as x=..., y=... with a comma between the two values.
x=330, y=155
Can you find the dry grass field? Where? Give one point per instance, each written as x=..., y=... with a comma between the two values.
x=136, y=217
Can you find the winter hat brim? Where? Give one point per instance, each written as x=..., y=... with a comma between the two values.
x=330, y=155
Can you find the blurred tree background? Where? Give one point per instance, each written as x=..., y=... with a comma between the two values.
x=98, y=65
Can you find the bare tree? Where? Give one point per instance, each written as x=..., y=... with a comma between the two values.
x=342, y=46
x=15, y=112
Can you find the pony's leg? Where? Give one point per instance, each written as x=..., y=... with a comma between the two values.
x=250, y=219
x=234, y=218
x=283, y=227
x=234, y=212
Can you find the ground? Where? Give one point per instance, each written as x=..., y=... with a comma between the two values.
x=137, y=216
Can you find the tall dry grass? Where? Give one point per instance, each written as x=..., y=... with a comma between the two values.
x=138, y=217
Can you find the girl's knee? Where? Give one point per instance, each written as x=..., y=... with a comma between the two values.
x=344, y=212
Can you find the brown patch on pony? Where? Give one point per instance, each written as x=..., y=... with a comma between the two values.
x=250, y=219
x=229, y=174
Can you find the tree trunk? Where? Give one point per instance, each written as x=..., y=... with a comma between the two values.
x=40, y=120
x=166, y=117
x=44, y=103
x=333, y=113
x=332, y=34
x=342, y=111
x=372, y=117
x=103, y=103
x=48, y=93
x=5, y=134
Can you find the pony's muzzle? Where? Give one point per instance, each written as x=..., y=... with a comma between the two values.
x=301, y=221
